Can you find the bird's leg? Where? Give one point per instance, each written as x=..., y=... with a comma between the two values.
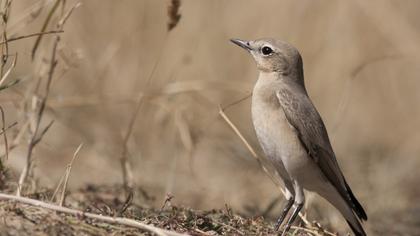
x=286, y=209
x=299, y=202
x=292, y=218
x=290, y=199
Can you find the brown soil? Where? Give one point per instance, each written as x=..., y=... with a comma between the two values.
x=22, y=219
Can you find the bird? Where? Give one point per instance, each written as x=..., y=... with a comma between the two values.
x=293, y=136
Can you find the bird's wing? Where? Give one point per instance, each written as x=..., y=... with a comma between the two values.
x=302, y=115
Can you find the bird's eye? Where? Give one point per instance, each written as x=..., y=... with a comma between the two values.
x=266, y=50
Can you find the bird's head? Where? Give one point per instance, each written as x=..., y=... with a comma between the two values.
x=273, y=55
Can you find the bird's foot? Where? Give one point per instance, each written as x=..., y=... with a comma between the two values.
x=286, y=230
x=283, y=215
x=277, y=226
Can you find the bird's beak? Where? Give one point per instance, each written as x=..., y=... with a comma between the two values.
x=242, y=43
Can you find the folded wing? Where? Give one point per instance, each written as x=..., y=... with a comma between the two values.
x=303, y=116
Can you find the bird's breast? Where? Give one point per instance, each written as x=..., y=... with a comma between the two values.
x=271, y=126
x=277, y=137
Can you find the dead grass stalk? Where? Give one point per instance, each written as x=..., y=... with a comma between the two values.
x=38, y=134
x=107, y=219
x=68, y=170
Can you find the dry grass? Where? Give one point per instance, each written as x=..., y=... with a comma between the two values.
x=145, y=100
x=101, y=204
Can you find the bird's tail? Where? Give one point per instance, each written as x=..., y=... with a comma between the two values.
x=356, y=206
x=352, y=217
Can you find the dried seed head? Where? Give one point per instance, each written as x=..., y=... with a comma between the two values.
x=173, y=14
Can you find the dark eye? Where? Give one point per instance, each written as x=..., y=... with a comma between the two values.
x=266, y=50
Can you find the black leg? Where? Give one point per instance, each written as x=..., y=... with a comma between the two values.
x=286, y=209
x=292, y=218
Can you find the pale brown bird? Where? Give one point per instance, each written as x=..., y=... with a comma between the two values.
x=292, y=133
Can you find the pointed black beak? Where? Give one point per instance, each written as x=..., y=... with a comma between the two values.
x=242, y=43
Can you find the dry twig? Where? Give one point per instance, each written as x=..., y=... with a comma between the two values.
x=58, y=187
x=108, y=219
x=44, y=27
x=125, y=163
x=167, y=201
x=27, y=16
x=31, y=35
x=127, y=172
x=5, y=12
x=38, y=134
x=126, y=204
x=4, y=77
x=68, y=170
x=8, y=127
x=3, y=130
x=35, y=139
x=6, y=143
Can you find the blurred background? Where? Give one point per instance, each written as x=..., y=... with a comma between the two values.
x=361, y=62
